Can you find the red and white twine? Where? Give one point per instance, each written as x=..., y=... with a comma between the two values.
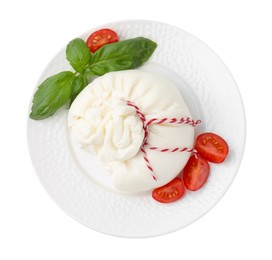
x=146, y=124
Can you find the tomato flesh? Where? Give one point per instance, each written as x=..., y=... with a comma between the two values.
x=212, y=147
x=195, y=173
x=170, y=192
x=101, y=37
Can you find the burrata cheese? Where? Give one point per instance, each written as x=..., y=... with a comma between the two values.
x=102, y=123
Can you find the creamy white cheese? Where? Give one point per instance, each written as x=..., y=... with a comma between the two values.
x=101, y=122
x=109, y=127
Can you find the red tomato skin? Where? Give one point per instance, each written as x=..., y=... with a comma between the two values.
x=212, y=147
x=169, y=192
x=195, y=173
x=101, y=37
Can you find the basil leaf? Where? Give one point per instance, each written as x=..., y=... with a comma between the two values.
x=123, y=55
x=53, y=93
x=79, y=83
x=78, y=54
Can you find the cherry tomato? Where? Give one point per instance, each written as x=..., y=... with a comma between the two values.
x=170, y=192
x=212, y=147
x=195, y=173
x=101, y=37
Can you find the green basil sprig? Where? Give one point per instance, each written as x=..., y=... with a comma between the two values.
x=78, y=54
x=52, y=94
x=127, y=54
x=80, y=82
x=58, y=89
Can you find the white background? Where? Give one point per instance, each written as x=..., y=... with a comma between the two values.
x=33, y=227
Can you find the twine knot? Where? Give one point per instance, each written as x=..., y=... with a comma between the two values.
x=165, y=120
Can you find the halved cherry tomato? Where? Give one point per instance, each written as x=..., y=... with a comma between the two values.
x=195, y=173
x=212, y=147
x=170, y=192
x=101, y=37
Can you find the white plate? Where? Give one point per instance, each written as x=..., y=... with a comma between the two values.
x=211, y=94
